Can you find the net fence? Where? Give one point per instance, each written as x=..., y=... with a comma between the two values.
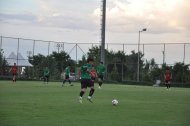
x=163, y=53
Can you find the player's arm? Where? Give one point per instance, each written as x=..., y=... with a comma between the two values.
x=10, y=70
x=164, y=76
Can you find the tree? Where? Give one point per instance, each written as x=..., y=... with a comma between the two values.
x=131, y=62
x=3, y=64
x=114, y=75
x=181, y=73
x=56, y=62
x=62, y=60
x=94, y=53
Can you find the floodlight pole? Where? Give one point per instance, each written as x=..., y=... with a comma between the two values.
x=102, y=57
x=138, y=64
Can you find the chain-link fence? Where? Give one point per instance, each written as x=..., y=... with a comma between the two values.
x=163, y=53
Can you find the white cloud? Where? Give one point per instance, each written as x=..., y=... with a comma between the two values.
x=160, y=16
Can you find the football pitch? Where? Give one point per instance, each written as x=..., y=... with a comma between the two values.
x=30, y=103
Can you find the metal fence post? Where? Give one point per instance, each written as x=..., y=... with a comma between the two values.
x=164, y=54
x=17, y=50
x=184, y=54
x=34, y=42
x=76, y=53
x=1, y=43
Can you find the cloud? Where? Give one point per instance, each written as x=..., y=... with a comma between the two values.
x=123, y=16
x=49, y=13
x=163, y=16
x=64, y=15
x=19, y=18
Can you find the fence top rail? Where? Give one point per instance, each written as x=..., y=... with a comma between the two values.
x=99, y=42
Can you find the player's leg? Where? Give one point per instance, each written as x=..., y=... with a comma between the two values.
x=169, y=84
x=166, y=83
x=70, y=81
x=83, y=89
x=64, y=80
x=44, y=79
x=47, y=79
x=13, y=77
x=91, y=83
x=100, y=80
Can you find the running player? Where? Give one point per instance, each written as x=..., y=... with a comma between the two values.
x=100, y=72
x=168, y=78
x=86, y=80
x=46, y=75
x=93, y=75
x=67, y=73
x=14, y=72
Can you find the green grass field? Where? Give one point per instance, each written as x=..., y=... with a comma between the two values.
x=36, y=104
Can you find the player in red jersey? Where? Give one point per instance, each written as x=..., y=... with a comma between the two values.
x=168, y=78
x=14, y=72
x=93, y=74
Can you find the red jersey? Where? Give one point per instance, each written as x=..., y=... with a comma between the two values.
x=93, y=73
x=168, y=75
x=14, y=70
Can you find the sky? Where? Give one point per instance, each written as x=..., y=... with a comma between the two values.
x=78, y=21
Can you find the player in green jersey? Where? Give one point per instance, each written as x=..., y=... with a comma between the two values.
x=100, y=72
x=86, y=80
x=46, y=75
x=67, y=74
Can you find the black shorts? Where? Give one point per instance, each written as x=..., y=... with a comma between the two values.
x=46, y=76
x=86, y=83
x=66, y=76
x=167, y=81
x=93, y=78
x=100, y=76
x=14, y=74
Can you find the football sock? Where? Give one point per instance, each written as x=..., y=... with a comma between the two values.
x=100, y=84
x=168, y=85
x=91, y=92
x=81, y=93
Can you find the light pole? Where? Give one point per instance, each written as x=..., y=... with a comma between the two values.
x=138, y=64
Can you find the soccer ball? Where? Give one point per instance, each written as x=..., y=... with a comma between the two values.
x=115, y=102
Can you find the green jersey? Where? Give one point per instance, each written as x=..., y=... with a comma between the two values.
x=46, y=72
x=85, y=71
x=100, y=69
x=67, y=71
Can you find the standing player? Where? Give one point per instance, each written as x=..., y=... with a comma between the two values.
x=67, y=73
x=168, y=78
x=86, y=80
x=14, y=72
x=100, y=71
x=46, y=75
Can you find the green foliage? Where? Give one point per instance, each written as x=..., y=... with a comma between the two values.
x=56, y=62
x=124, y=66
x=181, y=72
x=94, y=53
x=114, y=76
x=4, y=69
